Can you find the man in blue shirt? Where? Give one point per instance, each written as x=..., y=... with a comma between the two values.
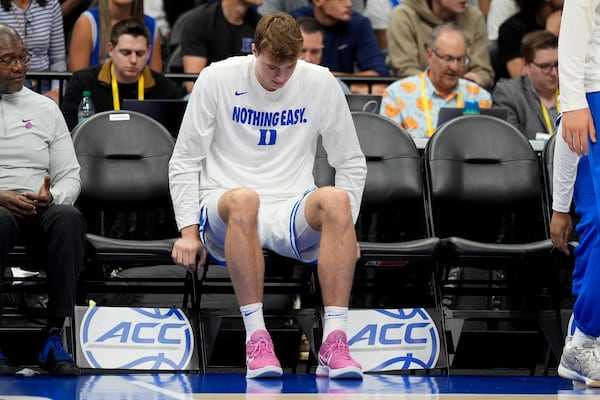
x=350, y=44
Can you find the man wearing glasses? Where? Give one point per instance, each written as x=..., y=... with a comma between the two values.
x=410, y=27
x=39, y=183
x=414, y=102
x=532, y=99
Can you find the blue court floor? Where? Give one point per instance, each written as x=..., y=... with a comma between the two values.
x=297, y=386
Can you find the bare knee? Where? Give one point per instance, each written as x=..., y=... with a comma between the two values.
x=335, y=206
x=240, y=207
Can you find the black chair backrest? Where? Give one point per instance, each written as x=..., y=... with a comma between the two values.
x=484, y=182
x=364, y=102
x=175, y=62
x=323, y=173
x=548, y=163
x=124, y=158
x=394, y=187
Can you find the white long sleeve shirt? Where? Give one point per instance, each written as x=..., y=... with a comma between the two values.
x=579, y=73
x=34, y=142
x=579, y=53
x=565, y=172
x=237, y=134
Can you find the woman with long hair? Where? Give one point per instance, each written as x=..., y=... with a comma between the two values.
x=91, y=32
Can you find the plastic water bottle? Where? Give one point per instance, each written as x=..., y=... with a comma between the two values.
x=471, y=106
x=86, y=107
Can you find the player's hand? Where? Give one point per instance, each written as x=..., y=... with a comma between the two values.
x=576, y=125
x=17, y=203
x=43, y=198
x=561, y=226
x=188, y=251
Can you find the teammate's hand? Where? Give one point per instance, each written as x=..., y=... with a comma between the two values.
x=561, y=226
x=576, y=125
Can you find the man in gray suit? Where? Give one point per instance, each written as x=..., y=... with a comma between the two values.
x=532, y=99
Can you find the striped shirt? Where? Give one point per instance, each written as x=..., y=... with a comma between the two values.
x=42, y=30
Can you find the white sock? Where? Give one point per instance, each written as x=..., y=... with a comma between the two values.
x=252, y=314
x=579, y=337
x=334, y=318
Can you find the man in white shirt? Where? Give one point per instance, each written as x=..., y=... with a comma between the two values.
x=39, y=183
x=241, y=180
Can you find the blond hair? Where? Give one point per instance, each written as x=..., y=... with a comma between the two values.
x=279, y=33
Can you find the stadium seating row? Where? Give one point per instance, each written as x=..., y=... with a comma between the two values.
x=476, y=198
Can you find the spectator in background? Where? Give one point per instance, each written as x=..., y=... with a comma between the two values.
x=350, y=45
x=40, y=25
x=532, y=98
x=500, y=11
x=312, y=44
x=216, y=31
x=414, y=102
x=533, y=15
x=173, y=9
x=273, y=6
x=129, y=50
x=156, y=10
x=39, y=183
x=483, y=5
x=378, y=12
x=71, y=10
x=411, y=24
x=91, y=33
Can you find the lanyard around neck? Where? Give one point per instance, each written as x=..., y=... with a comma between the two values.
x=115, y=88
x=427, y=110
x=549, y=124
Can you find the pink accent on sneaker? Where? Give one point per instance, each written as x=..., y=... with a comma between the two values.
x=261, y=361
x=335, y=360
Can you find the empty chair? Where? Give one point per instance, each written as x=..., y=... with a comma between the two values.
x=397, y=267
x=125, y=199
x=487, y=203
x=364, y=102
x=569, y=261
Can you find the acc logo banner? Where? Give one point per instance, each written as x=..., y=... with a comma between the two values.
x=384, y=340
x=136, y=338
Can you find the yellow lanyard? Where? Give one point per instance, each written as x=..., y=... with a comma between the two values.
x=115, y=89
x=427, y=111
x=549, y=124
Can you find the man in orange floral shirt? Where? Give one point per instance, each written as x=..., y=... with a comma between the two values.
x=414, y=102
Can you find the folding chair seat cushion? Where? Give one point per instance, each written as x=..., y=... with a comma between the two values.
x=124, y=157
x=398, y=261
x=497, y=254
x=150, y=250
x=424, y=249
x=124, y=167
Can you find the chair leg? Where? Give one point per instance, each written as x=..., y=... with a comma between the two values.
x=196, y=317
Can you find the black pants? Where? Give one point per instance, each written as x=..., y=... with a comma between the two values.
x=57, y=236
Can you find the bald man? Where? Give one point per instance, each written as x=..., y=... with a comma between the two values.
x=39, y=183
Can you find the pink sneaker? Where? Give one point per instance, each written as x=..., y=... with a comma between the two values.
x=335, y=360
x=261, y=361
